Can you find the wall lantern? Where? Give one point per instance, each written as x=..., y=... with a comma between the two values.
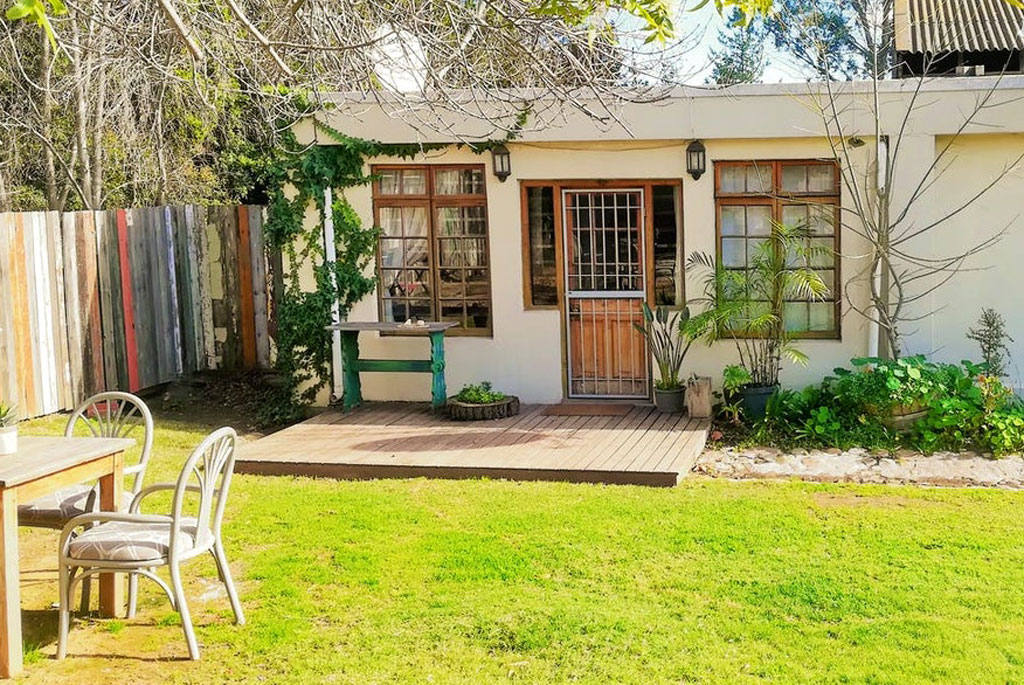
x=502, y=160
x=696, y=160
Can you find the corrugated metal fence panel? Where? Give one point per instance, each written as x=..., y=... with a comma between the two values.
x=127, y=299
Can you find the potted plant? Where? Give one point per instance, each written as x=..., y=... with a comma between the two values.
x=479, y=402
x=8, y=429
x=748, y=307
x=662, y=328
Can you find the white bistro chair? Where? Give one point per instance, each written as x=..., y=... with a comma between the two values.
x=136, y=543
x=106, y=415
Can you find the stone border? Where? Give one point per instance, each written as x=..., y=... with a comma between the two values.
x=946, y=469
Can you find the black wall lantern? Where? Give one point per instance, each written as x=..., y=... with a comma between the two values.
x=502, y=161
x=696, y=160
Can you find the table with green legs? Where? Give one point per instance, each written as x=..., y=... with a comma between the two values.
x=352, y=365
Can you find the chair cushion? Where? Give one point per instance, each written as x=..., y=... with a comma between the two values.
x=129, y=541
x=59, y=507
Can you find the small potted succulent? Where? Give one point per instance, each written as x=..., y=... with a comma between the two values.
x=662, y=328
x=480, y=402
x=8, y=429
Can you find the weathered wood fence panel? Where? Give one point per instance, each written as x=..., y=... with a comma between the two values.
x=127, y=299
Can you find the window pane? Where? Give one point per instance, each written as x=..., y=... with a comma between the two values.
x=391, y=221
x=822, y=219
x=391, y=253
x=821, y=178
x=734, y=220
x=794, y=216
x=732, y=179
x=759, y=220
x=478, y=314
x=458, y=182
x=389, y=182
x=795, y=316
x=403, y=182
x=822, y=316
x=821, y=252
x=414, y=221
x=451, y=283
x=756, y=249
x=759, y=179
x=476, y=283
x=453, y=311
x=794, y=178
x=414, y=182
x=666, y=246
x=420, y=309
x=540, y=216
x=734, y=252
x=461, y=221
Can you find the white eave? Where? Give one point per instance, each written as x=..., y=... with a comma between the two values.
x=745, y=111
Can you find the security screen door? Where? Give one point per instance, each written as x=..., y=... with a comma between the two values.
x=605, y=286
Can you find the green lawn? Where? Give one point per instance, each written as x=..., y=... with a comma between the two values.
x=477, y=581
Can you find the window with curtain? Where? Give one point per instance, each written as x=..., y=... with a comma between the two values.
x=433, y=252
x=750, y=196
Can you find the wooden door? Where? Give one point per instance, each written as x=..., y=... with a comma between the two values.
x=605, y=287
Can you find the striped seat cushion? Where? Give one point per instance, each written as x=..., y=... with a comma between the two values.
x=59, y=507
x=130, y=541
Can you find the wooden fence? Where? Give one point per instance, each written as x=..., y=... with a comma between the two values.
x=127, y=299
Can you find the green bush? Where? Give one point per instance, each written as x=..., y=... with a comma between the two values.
x=966, y=409
x=480, y=393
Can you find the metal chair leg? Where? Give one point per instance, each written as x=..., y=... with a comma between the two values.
x=133, y=594
x=86, y=595
x=229, y=583
x=186, y=618
x=64, y=624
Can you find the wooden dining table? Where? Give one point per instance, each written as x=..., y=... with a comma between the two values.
x=41, y=466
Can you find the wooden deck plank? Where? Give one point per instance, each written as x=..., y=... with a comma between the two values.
x=407, y=440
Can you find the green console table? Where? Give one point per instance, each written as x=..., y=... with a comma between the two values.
x=353, y=365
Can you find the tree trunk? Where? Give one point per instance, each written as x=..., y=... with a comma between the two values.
x=46, y=125
x=82, y=120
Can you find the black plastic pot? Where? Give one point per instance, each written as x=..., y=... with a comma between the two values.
x=755, y=400
x=669, y=401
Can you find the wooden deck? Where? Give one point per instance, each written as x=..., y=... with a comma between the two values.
x=400, y=440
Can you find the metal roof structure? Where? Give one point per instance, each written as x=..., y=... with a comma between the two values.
x=935, y=26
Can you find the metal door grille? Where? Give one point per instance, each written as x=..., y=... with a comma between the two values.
x=605, y=286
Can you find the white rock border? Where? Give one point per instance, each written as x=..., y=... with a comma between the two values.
x=944, y=469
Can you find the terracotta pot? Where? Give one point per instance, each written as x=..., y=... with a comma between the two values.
x=669, y=401
x=464, y=411
x=9, y=440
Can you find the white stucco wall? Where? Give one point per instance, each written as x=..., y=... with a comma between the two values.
x=524, y=355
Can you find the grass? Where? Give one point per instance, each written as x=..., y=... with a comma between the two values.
x=487, y=581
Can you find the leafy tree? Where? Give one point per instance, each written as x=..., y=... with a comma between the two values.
x=838, y=39
x=739, y=57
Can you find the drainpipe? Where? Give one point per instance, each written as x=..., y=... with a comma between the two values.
x=881, y=153
x=331, y=254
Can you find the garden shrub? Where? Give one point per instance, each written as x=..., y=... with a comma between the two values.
x=966, y=409
x=481, y=393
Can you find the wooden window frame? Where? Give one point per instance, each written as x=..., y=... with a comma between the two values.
x=558, y=185
x=777, y=199
x=432, y=202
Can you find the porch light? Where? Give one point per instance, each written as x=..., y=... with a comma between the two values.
x=696, y=160
x=502, y=160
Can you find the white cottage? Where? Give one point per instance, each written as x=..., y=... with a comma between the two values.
x=544, y=264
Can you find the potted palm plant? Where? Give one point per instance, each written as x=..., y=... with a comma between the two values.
x=663, y=330
x=747, y=306
x=8, y=430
